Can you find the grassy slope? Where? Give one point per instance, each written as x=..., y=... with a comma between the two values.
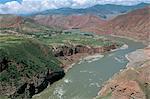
x=30, y=27
x=27, y=57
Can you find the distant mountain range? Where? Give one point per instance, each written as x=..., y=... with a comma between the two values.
x=104, y=11
x=133, y=24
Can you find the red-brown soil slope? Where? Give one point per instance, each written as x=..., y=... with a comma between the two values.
x=135, y=24
x=71, y=21
x=9, y=21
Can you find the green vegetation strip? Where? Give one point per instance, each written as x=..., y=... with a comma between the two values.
x=75, y=38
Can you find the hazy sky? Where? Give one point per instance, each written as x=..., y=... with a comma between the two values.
x=29, y=6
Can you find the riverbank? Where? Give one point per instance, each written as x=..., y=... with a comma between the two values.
x=79, y=58
x=85, y=53
x=94, y=73
x=137, y=58
x=134, y=81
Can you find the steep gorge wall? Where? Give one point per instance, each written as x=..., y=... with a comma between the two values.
x=27, y=67
x=71, y=50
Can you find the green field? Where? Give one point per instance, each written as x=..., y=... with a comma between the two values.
x=77, y=38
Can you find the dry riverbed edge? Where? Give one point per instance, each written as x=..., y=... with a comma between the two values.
x=122, y=85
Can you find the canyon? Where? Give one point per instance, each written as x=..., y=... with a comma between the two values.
x=23, y=57
x=45, y=31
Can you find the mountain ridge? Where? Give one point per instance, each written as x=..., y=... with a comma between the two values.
x=133, y=24
x=104, y=11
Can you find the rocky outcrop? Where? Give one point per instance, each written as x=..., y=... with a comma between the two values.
x=28, y=89
x=3, y=64
x=71, y=50
x=70, y=54
x=125, y=89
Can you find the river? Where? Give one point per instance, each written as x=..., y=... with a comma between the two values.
x=84, y=80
